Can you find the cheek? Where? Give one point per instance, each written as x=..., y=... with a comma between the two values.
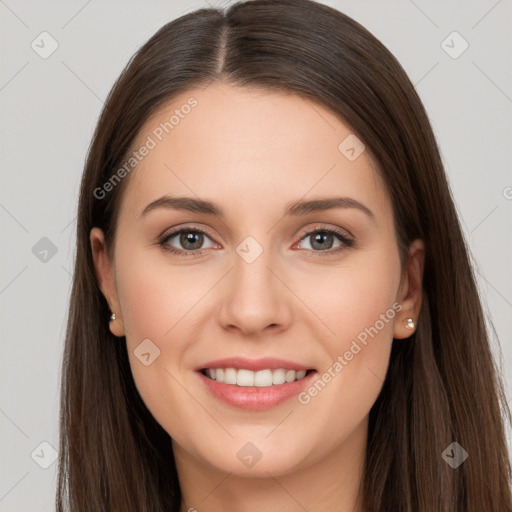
x=359, y=306
x=354, y=297
x=158, y=303
x=156, y=296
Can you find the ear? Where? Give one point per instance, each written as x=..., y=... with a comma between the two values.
x=105, y=273
x=411, y=289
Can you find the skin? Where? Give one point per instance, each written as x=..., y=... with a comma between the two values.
x=253, y=153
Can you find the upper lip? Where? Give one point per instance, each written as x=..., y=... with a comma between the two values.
x=253, y=364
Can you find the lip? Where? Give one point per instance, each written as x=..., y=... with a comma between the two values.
x=252, y=398
x=264, y=363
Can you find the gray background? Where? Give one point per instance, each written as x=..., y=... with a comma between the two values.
x=49, y=110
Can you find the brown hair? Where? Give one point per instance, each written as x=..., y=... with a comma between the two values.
x=441, y=386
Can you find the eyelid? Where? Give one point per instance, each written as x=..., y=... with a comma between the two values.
x=319, y=226
x=175, y=230
x=302, y=233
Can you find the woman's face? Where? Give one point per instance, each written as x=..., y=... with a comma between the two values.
x=272, y=276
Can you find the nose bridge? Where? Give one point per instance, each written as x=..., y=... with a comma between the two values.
x=255, y=298
x=252, y=265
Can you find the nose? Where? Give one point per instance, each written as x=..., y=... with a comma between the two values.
x=255, y=299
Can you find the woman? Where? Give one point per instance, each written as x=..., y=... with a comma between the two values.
x=273, y=306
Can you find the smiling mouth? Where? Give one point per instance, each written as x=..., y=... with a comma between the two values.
x=248, y=378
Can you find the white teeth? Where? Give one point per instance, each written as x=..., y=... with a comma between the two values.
x=230, y=376
x=261, y=379
x=245, y=378
x=279, y=376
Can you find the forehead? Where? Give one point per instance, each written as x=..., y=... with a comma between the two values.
x=243, y=146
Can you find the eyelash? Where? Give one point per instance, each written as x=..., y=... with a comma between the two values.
x=341, y=236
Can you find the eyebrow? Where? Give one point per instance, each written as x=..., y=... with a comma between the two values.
x=295, y=208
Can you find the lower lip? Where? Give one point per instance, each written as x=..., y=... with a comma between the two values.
x=254, y=398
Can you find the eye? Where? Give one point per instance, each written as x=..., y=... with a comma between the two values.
x=190, y=239
x=323, y=240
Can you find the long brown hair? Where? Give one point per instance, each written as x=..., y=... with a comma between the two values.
x=442, y=385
